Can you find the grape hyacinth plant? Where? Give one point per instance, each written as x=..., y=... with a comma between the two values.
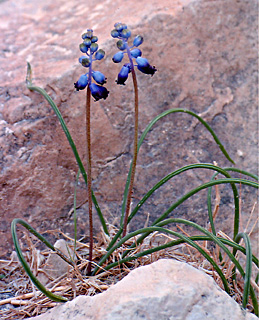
x=122, y=33
x=90, y=48
x=121, y=246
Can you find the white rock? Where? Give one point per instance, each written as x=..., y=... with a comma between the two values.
x=164, y=290
x=55, y=266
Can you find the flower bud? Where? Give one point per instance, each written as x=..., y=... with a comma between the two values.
x=94, y=39
x=115, y=33
x=138, y=41
x=126, y=33
x=87, y=34
x=118, y=57
x=94, y=47
x=120, y=26
x=83, y=48
x=81, y=59
x=85, y=62
x=99, y=54
x=99, y=77
x=87, y=42
x=121, y=45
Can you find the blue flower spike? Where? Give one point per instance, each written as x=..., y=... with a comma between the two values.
x=89, y=47
x=122, y=33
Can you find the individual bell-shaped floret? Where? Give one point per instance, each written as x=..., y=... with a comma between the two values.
x=82, y=82
x=138, y=41
x=118, y=57
x=135, y=53
x=99, y=54
x=144, y=66
x=123, y=74
x=99, y=77
x=98, y=92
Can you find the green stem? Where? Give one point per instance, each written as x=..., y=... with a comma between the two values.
x=89, y=175
x=135, y=152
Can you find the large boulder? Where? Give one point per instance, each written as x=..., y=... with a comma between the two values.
x=166, y=289
x=206, y=56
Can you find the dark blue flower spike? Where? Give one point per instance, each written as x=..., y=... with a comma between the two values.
x=122, y=33
x=90, y=48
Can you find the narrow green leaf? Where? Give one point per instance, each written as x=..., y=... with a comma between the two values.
x=148, y=128
x=170, y=176
x=26, y=267
x=163, y=230
x=248, y=272
x=201, y=187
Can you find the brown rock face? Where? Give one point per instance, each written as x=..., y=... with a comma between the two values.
x=206, y=56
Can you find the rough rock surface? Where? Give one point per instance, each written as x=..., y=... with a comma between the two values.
x=166, y=289
x=206, y=56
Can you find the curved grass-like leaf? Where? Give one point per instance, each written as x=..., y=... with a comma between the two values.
x=196, y=190
x=201, y=187
x=236, y=219
x=220, y=242
x=163, y=230
x=26, y=267
x=31, y=87
x=248, y=272
x=170, y=176
x=208, y=237
x=246, y=173
x=148, y=128
x=181, y=241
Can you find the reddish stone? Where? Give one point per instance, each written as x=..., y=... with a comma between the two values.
x=206, y=56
